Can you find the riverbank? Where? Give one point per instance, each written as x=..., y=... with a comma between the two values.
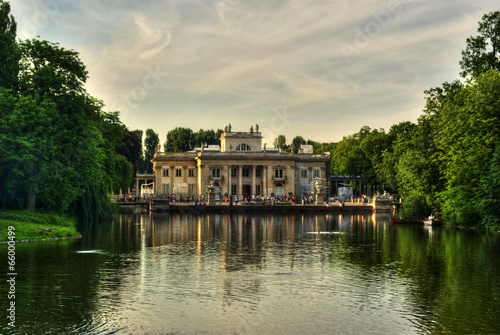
x=30, y=226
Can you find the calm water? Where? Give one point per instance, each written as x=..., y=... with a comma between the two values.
x=262, y=274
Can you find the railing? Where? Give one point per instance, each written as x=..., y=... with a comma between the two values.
x=220, y=178
x=279, y=178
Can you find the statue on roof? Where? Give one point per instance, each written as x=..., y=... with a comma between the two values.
x=230, y=147
x=256, y=128
x=251, y=129
x=229, y=128
x=225, y=129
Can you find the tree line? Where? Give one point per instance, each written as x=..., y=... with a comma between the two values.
x=448, y=162
x=59, y=151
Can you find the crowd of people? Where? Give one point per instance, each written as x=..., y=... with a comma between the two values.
x=230, y=199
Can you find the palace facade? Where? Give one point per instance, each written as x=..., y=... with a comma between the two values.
x=240, y=166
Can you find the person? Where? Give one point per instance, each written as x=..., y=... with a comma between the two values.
x=236, y=199
x=231, y=200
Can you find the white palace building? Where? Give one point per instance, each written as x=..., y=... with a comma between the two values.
x=240, y=166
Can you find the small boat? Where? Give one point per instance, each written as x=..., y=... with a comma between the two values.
x=400, y=221
x=432, y=222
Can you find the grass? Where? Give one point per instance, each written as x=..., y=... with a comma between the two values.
x=30, y=225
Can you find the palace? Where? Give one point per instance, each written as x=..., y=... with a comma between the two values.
x=240, y=166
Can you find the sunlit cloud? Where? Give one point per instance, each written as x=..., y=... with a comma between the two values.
x=235, y=61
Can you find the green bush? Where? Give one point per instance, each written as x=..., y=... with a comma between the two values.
x=414, y=207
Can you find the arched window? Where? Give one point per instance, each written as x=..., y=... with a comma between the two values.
x=243, y=147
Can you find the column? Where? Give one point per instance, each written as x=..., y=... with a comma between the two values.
x=240, y=182
x=171, y=187
x=229, y=170
x=254, y=191
x=264, y=179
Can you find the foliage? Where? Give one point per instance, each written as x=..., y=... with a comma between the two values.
x=297, y=142
x=208, y=137
x=489, y=192
x=469, y=130
x=280, y=142
x=59, y=151
x=415, y=207
x=9, y=51
x=150, y=146
x=483, y=51
x=179, y=140
x=184, y=139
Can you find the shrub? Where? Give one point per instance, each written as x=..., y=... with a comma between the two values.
x=415, y=207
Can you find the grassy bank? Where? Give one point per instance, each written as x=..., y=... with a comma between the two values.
x=30, y=225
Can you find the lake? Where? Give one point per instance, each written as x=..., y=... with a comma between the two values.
x=258, y=274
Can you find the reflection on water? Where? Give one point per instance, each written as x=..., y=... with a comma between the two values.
x=259, y=274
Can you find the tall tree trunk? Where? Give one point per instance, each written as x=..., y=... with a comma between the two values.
x=33, y=187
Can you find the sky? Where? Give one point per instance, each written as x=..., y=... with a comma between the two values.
x=321, y=69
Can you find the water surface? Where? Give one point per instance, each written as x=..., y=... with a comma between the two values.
x=259, y=274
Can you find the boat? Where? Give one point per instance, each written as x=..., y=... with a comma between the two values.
x=432, y=222
x=400, y=221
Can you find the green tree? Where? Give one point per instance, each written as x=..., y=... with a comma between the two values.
x=9, y=52
x=489, y=192
x=140, y=163
x=415, y=207
x=280, y=142
x=469, y=130
x=297, y=142
x=179, y=140
x=150, y=145
x=483, y=51
x=205, y=137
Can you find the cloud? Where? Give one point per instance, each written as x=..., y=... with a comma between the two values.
x=239, y=59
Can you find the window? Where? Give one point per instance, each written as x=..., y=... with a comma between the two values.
x=245, y=172
x=165, y=189
x=192, y=173
x=243, y=147
x=178, y=172
x=234, y=172
x=316, y=173
x=233, y=189
x=278, y=173
x=165, y=173
x=191, y=189
x=215, y=173
x=304, y=173
x=257, y=189
x=257, y=173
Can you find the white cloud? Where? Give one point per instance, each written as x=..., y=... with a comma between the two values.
x=239, y=60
